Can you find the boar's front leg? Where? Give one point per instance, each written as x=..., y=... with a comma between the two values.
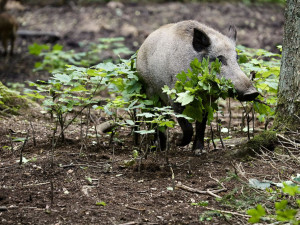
x=187, y=132
x=200, y=132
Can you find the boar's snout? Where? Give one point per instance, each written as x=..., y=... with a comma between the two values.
x=249, y=95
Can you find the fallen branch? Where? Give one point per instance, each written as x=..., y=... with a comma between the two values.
x=39, y=184
x=136, y=209
x=83, y=165
x=194, y=190
x=52, y=36
x=228, y=212
x=106, y=127
x=129, y=223
x=288, y=140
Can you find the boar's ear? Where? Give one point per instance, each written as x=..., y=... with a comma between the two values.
x=200, y=40
x=232, y=33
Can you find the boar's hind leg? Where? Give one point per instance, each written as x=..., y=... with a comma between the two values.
x=4, y=43
x=12, y=43
x=162, y=140
x=200, y=131
x=187, y=132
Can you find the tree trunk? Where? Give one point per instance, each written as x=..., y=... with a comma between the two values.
x=2, y=5
x=288, y=106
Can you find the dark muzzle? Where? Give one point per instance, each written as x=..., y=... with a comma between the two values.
x=250, y=95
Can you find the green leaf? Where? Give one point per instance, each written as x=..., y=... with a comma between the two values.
x=185, y=98
x=182, y=76
x=106, y=66
x=281, y=205
x=130, y=122
x=256, y=214
x=78, y=89
x=36, y=49
x=291, y=190
x=64, y=78
x=194, y=111
x=286, y=215
x=101, y=203
x=57, y=47
x=203, y=203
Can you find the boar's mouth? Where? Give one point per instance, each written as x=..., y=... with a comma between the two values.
x=250, y=95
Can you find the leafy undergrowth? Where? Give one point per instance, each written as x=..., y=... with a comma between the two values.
x=95, y=185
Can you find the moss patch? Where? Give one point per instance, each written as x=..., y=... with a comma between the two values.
x=262, y=141
x=11, y=101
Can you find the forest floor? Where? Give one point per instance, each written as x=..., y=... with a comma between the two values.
x=80, y=182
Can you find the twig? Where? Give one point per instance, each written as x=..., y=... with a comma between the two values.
x=288, y=140
x=22, y=148
x=39, y=184
x=217, y=181
x=129, y=223
x=95, y=128
x=84, y=165
x=52, y=193
x=33, y=133
x=259, y=101
x=212, y=137
x=137, y=209
x=228, y=212
x=173, y=178
x=11, y=142
x=209, y=192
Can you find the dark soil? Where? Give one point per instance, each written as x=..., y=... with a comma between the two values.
x=70, y=184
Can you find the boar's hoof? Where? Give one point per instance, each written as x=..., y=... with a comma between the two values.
x=199, y=152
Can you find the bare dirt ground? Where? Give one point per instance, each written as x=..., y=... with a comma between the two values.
x=90, y=184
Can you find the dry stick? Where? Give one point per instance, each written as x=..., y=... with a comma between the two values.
x=95, y=128
x=173, y=178
x=81, y=134
x=129, y=223
x=83, y=165
x=215, y=179
x=229, y=111
x=140, y=148
x=137, y=209
x=167, y=147
x=212, y=193
x=53, y=144
x=33, y=133
x=253, y=121
x=289, y=152
x=39, y=184
x=22, y=148
x=113, y=158
x=248, y=123
x=51, y=193
x=11, y=142
x=289, y=141
x=228, y=212
x=220, y=135
x=87, y=126
x=212, y=137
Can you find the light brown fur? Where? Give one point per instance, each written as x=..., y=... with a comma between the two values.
x=8, y=31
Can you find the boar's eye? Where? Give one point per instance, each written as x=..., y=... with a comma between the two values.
x=222, y=59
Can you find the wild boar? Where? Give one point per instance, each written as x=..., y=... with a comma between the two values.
x=170, y=49
x=8, y=30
